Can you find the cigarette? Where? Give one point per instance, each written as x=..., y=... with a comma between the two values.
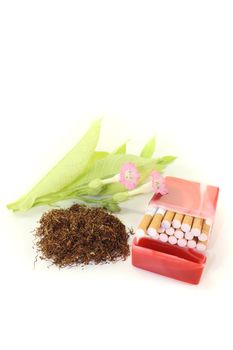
x=166, y=223
x=163, y=237
x=201, y=246
x=189, y=235
x=187, y=223
x=197, y=225
x=170, y=231
x=192, y=243
x=176, y=222
x=205, y=231
x=161, y=230
x=172, y=239
x=179, y=234
x=151, y=210
x=153, y=233
x=155, y=223
x=146, y=220
x=182, y=242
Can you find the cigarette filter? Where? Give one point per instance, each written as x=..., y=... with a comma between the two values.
x=161, y=230
x=146, y=220
x=156, y=222
x=205, y=231
x=186, y=223
x=196, y=227
x=167, y=220
x=176, y=222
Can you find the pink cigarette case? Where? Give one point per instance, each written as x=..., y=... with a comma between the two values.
x=181, y=263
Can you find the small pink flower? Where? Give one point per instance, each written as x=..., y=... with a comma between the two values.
x=129, y=176
x=158, y=183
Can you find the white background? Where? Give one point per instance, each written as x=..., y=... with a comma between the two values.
x=148, y=67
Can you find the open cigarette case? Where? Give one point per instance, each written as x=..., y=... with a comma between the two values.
x=175, y=230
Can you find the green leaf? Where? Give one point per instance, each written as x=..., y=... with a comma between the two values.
x=104, y=167
x=98, y=155
x=110, y=166
x=149, y=149
x=64, y=192
x=111, y=206
x=66, y=171
x=158, y=164
x=112, y=189
x=121, y=149
x=164, y=161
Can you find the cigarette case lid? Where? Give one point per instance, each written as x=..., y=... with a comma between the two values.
x=188, y=197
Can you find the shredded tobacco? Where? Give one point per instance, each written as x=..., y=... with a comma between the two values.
x=81, y=235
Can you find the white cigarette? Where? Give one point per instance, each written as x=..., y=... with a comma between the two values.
x=161, y=211
x=172, y=239
x=201, y=246
x=176, y=222
x=167, y=220
x=203, y=237
x=152, y=232
x=151, y=210
x=155, y=222
x=170, y=231
x=187, y=223
x=208, y=222
x=205, y=231
x=140, y=232
x=196, y=232
x=192, y=243
x=163, y=237
x=189, y=235
x=145, y=222
x=161, y=230
x=196, y=227
x=179, y=234
x=182, y=242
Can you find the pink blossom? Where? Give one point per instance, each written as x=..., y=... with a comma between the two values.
x=158, y=183
x=129, y=176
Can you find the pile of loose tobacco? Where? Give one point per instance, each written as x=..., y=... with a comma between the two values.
x=81, y=235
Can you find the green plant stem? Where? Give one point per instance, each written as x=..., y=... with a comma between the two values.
x=62, y=195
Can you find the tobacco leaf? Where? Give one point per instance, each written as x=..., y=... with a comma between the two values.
x=121, y=149
x=65, y=171
x=110, y=166
x=149, y=148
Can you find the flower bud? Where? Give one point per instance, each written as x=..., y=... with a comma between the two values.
x=93, y=191
x=121, y=196
x=97, y=183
